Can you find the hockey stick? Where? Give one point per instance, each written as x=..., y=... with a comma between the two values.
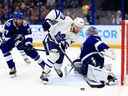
x=41, y=50
x=90, y=55
x=66, y=56
x=72, y=64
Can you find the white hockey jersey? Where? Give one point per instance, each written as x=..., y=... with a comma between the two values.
x=64, y=27
x=54, y=16
x=62, y=24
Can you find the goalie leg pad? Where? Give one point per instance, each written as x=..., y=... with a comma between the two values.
x=96, y=75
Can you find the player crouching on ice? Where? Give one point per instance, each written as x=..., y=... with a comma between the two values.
x=18, y=34
x=59, y=37
x=91, y=60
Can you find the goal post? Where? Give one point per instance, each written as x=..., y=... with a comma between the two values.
x=124, y=52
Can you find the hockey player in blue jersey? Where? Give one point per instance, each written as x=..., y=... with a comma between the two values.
x=18, y=34
x=91, y=60
x=23, y=54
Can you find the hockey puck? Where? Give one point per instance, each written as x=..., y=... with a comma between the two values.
x=82, y=89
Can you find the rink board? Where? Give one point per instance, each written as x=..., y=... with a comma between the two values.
x=111, y=34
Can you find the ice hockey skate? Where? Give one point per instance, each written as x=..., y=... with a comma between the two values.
x=44, y=76
x=12, y=72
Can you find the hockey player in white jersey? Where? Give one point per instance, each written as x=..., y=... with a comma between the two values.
x=62, y=32
x=91, y=60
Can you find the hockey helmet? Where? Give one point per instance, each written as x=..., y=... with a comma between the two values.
x=92, y=30
x=18, y=15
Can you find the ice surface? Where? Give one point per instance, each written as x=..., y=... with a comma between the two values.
x=27, y=82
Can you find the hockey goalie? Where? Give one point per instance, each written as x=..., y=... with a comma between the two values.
x=91, y=61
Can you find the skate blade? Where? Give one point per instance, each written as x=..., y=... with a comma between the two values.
x=45, y=82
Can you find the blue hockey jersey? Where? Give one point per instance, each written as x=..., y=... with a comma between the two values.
x=93, y=44
x=12, y=31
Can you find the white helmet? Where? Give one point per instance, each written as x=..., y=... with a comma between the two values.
x=79, y=22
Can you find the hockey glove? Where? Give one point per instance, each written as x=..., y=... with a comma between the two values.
x=64, y=45
x=18, y=39
x=46, y=25
x=28, y=47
